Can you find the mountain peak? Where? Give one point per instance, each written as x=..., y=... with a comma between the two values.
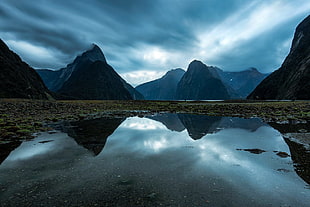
x=94, y=54
x=196, y=66
x=201, y=82
x=196, y=62
x=199, y=64
x=95, y=47
x=175, y=71
x=253, y=70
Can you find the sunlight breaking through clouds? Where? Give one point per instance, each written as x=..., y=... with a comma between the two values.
x=154, y=55
x=141, y=76
x=37, y=53
x=251, y=21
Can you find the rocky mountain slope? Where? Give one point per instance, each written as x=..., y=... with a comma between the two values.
x=292, y=79
x=18, y=79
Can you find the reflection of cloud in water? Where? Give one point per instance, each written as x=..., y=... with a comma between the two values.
x=143, y=124
x=156, y=145
x=220, y=150
x=214, y=153
x=169, y=163
x=33, y=148
x=157, y=138
x=59, y=145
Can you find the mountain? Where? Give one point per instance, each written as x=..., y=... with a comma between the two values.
x=18, y=79
x=238, y=84
x=292, y=79
x=242, y=83
x=200, y=83
x=163, y=88
x=54, y=80
x=89, y=76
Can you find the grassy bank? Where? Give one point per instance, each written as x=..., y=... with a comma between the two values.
x=20, y=118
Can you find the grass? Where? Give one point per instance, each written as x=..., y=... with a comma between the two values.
x=20, y=118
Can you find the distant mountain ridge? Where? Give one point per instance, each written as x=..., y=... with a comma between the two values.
x=89, y=76
x=18, y=79
x=238, y=84
x=163, y=88
x=292, y=80
x=198, y=126
x=242, y=82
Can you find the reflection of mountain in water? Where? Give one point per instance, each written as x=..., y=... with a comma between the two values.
x=241, y=123
x=300, y=155
x=301, y=158
x=6, y=149
x=93, y=134
x=171, y=121
x=200, y=125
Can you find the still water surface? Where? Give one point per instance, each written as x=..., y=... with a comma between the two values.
x=161, y=160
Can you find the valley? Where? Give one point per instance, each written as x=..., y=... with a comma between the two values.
x=120, y=103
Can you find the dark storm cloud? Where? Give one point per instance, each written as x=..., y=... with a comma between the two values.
x=43, y=26
x=152, y=35
x=58, y=25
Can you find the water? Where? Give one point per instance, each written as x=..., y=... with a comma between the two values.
x=163, y=160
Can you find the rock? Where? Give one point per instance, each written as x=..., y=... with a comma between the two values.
x=254, y=151
x=283, y=154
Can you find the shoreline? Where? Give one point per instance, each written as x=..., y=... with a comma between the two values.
x=19, y=118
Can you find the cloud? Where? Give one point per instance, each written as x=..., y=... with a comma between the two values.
x=140, y=35
x=251, y=31
x=142, y=76
x=37, y=54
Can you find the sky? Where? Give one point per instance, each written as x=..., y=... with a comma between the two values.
x=143, y=39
